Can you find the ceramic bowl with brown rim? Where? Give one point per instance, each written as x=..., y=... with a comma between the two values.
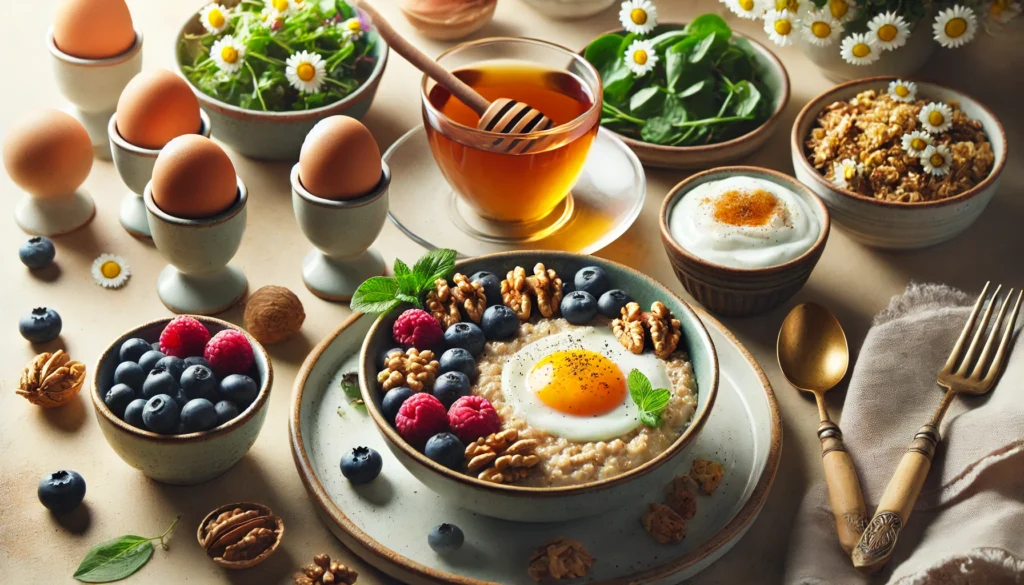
x=546, y=504
x=742, y=291
x=774, y=78
x=190, y=458
x=894, y=224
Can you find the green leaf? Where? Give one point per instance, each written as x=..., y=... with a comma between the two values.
x=735, y=64
x=666, y=39
x=707, y=24
x=114, y=560
x=700, y=53
x=376, y=295
x=656, y=400
x=407, y=281
x=434, y=265
x=408, y=299
x=674, y=110
x=639, y=386
x=647, y=101
x=649, y=401
x=694, y=89
x=657, y=130
x=651, y=419
x=350, y=386
x=603, y=50
x=617, y=80
x=745, y=99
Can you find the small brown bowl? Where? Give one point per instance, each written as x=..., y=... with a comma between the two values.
x=741, y=292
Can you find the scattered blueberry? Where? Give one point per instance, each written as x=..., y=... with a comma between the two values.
x=446, y=538
x=499, y=322
x=226, y=411
x=491, y=284
x=579, y=307
x=458, y=359
x=446, y=449
x=384, y=356
x=149, y=359
x=451, y=386
x=468, y=336
x=118, y=398
x=610, y=303
x=41, y=325
x=361, y=465
x=198, y=381
x=161, y=414
x=592, y=279
x=133, y=349
x=160, y=381
x=198, y=415
x=174, y=365
x=393, y=400
x=242, y=390
x=133, y=414
x=37, y=252
x=196, y=360
x=130, y=374
x=61, y=491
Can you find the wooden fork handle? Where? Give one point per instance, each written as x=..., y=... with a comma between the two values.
x=879, y=538
x=843, y=486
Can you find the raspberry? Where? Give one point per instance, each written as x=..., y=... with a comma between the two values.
x=184, y=337
x=421, y=417
x=417, y=328
x=472, y=417
x=229, y=352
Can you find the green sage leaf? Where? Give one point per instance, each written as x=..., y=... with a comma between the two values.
x=376, y=295
x=114, y=560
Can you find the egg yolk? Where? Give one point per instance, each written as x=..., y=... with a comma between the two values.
x=578, y=382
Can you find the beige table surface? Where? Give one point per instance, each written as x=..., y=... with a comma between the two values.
x=852, y=280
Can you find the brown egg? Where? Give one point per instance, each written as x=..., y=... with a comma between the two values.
x=339, y=159
x=193, y=178
x=48, y=154
x=93, y=29
x=155, y=107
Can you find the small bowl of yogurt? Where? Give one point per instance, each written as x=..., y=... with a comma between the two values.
x=743, y=240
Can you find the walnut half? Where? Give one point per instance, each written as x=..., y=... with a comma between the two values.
x=515, y=295
x=414, y=369
x=560, y=558
x=51, y=379
x=664, y=524
x=629, y=328
x=501, y=457
x=239, y=536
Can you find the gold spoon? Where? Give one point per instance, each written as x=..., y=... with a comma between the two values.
x=814, y=357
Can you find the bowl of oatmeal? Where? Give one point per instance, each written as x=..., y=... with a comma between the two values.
x=900, y=164
x=564, y=384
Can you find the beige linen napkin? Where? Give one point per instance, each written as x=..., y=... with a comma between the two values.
x=968, y=525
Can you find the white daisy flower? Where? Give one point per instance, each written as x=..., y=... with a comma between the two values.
x=936, y=117
x=638, y=16
x=844, y=172
x=842, y=10
x=110, y=271
x=795, y=7
x=903, y=91
x=889, y=30
x=820, y=28
x=916, y=142
x=780, y=26
x=955, y=26
x=752, y=9
x=859, y=49
x=936, y=160
x=641, y=57
x=228, y=54
x=353, y=29
x=306, y=71
x=214, y=17
x=283, y=8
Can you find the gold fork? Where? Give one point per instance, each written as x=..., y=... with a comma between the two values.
x=879, y=538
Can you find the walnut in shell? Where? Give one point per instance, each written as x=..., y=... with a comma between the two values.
x=560, y=558
x=239, y=536
x=273, y=314
x=51, y=379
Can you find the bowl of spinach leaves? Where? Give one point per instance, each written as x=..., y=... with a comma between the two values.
x=713, y=96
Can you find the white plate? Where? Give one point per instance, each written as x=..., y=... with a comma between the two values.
x=386, y=522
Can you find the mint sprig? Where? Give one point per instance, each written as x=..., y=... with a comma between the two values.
x=649, y=400
x=380, y=294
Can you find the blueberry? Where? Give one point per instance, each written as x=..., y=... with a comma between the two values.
x=491, y=284
x=118, y=398
x=130, y=374
x=446, y=538
x=579, y=307
x=361, y=465
x=610, y=303
x=174, y=365
x=499, y=322
x=181, y=398
x=451, y=386
x=149, y=359
x=592, y=279
x=41, y=325
x=226, y=411
x=133, y=349
x=446, y=449
x=458, y=360
x=133, y=414
x=468, y=336
x=37, y=252
x=61, y=491
x=196, y=360
x=198, y=381
x=198, y=415
x=384, y=356
x=161, y=414
x=242, y=390
x=160, y=381
x=393, y=400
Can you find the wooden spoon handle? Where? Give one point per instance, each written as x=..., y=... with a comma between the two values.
x=400, y=45
x=879, y=538
x=843, y=486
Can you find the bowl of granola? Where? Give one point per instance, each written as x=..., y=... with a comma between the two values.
x=554, y=391
x=900, y=164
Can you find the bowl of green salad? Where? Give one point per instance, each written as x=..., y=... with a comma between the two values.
x=691, y=95
x=266, y=71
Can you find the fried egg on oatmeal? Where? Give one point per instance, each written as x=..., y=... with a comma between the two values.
x=573, y=384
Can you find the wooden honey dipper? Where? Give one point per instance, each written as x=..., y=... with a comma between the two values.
x=502, y=116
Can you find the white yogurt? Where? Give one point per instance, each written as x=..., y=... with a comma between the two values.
x=744, y=222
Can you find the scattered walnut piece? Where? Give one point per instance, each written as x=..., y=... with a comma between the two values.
x=681, y=496
x=273, y=314
x=442, y=305
x=239, y=536
x=515, y=294
x=501, y=457
x=51, y=379
x=470, y=297
x=665, y=329
x=629, y=329
x=664, y=524
x=560, y=558
x=324, y=571
x=415, y=369
x=546, y=286
x=707, y=473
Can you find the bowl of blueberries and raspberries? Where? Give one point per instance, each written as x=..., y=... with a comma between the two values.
x=182, y=399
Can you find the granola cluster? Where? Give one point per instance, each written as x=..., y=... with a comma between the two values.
x=869, y=129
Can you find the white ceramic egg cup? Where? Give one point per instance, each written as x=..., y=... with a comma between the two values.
x=93, y=86
x=135, y=165
x=341, y=233
x=198, y=279
x=54, y=215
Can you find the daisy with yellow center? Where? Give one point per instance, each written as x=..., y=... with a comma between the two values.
x=845, y=172
x=228, y=54
x=305, y=71
x=110, y=271
x=889, y=30
x=936, y=117
x=638, y=16
x=955, y=27
x=903, y=91
x=283, y=8
x=820, y=28
x=916, y=142
x=936, y=160
x=859, y=49
x=780, y=26
x=793, y=6
x=353, y=29
x=214, y=17
x=752, y=9
x=842, y=10
x=641, y=57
